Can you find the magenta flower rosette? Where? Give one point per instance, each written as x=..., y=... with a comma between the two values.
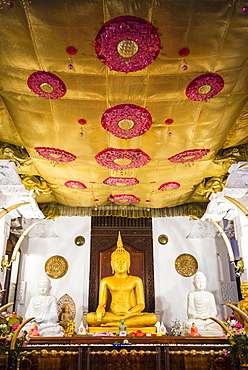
x=127, y=44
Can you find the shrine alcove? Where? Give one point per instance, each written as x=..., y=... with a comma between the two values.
x=137, y=240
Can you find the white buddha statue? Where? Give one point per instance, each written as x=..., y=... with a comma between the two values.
x=44, y=308
x=200, y=307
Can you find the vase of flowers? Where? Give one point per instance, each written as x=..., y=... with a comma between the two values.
x=238, y=340
x=10, y=325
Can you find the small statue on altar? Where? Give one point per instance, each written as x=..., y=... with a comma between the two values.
x=201, y=307
x=34, y=330
x=70, y=329
x=194, y=331
x=127, y=295
x=176, y=328
x=122, y=328
x=65, y=316
x=43, y=308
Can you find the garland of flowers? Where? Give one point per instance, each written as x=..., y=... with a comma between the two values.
x=212, y=80
x=107, y=157
x=132, y=30
x=47, y=153
x=190, y=155
x=38, y=78
x=141, y=118
x=169, y=186
x=123, y=199
x=121, y=181
x=75, y=184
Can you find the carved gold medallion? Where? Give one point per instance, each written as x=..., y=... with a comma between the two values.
x=56, y=267
x=186, y=264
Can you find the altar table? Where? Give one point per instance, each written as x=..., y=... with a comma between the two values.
x=85, y=352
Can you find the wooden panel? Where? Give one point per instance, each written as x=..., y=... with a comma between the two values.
x=137, y=239
x=160, y=353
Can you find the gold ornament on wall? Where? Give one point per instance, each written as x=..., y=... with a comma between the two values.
x=79, y=240
x=163, y=239
x=186, y=264
x=56, y=267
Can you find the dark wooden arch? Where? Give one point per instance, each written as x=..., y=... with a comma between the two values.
x=137, y=239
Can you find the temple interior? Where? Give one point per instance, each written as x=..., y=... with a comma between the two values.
x=125, y=117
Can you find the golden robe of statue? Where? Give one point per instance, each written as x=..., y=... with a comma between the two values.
x=127, y=295
x=243, y=305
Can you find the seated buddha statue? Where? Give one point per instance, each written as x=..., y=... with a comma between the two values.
x=127, y=295
x=201, y=306
x=242, y=306
x=65, y=316
x=43, y=307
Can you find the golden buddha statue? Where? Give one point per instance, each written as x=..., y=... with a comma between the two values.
x=241, y=312
x=127, y=295
x=243, y=306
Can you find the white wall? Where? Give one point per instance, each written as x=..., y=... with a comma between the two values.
x=75, y=281
x=171, y=288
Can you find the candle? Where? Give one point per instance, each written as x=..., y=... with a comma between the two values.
x=19, y=242
x=226, y=240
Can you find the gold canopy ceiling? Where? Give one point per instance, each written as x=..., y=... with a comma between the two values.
x=206, y=136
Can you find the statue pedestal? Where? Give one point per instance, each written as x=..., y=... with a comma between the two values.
x=114, y=329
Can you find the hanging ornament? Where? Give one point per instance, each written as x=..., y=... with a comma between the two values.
x=183, y=53
x=245, y=9
x=71, y=50
x=82, y=122
x=70, y=65
x=168, y=122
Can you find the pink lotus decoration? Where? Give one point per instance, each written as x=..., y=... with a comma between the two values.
x=117, y=159
x=127, y=44
x=123, y=199
x=75, y=184
x=126, y=120
x=46, y=85
x=169, y=186
x=121, y=181
x=204, y=87
x=190, y=155
x=55, y=155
